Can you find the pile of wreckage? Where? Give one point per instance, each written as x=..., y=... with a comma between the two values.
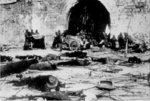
x=83, y=41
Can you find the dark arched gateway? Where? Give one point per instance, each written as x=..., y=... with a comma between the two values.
x=90, y=16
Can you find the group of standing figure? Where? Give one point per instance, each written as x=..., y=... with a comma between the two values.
x=31, y=42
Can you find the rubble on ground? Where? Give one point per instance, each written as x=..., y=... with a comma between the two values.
x=99, y=75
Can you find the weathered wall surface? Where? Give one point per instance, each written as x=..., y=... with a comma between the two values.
x=47, y=16
x=44, y=15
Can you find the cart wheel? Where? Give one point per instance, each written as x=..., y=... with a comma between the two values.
x=74, y=45
x=52, y=83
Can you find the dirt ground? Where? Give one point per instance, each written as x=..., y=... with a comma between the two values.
x=129, y=82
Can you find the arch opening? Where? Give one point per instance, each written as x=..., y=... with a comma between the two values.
x=89, y=16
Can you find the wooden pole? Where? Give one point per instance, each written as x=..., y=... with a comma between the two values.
x=126, y=49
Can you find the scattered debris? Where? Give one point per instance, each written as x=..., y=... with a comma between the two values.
x=24, y=57
x=101, y=60
x=139, y=48
x=75, y=62
x=78, y=54
x=97, y=49
x=48, y=96
x=134, y=60
x=106, y=85
x=21, y=57
x=136, y=77
x=4, y=58
x=75, y=93
x=20, y=76
x=42, y=83
x=112, y=70
x=126, y=63
x=43, y=66
x=50, y=57
x=16, y=67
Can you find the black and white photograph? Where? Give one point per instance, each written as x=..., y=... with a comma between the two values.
x=74, y=50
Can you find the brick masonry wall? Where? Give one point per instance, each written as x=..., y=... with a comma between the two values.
x=47, y=16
